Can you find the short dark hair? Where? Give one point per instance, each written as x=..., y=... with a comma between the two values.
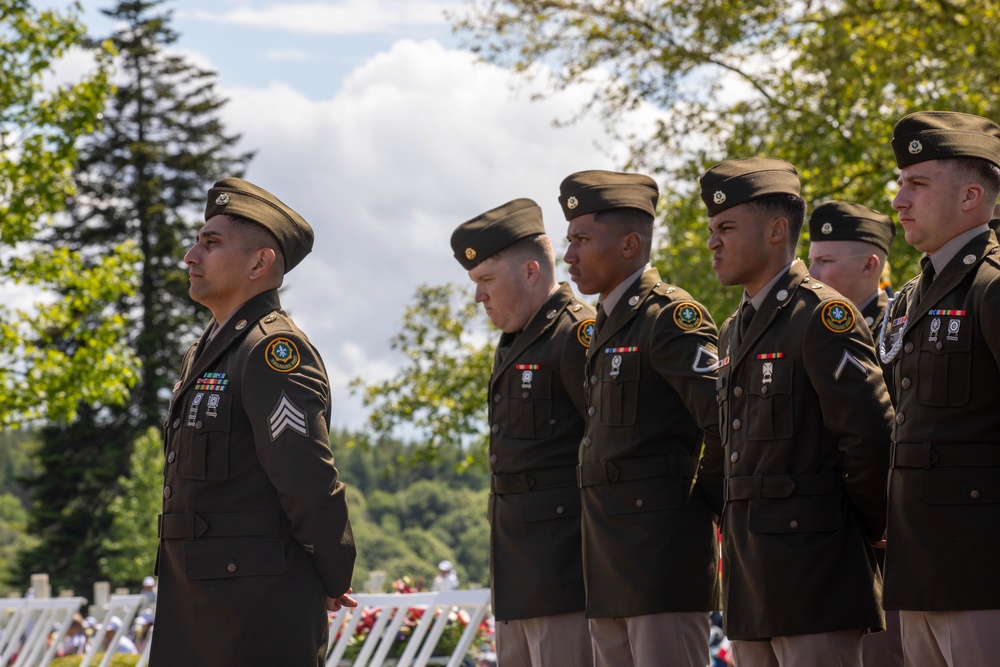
x=254, y=236
x=792, y=207
x=981, y=171
x=632, y=220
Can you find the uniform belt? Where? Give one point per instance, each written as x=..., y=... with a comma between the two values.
x=927, y=456
x=532, y=480
x=783, y=486
x=192, y=525
x=630, y=470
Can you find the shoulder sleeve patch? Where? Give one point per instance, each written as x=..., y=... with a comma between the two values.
x=838, y=317
x=282, y=355
x=585, y=332
x=688, y=316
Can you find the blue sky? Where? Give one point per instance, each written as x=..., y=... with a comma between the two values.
x=370, y=120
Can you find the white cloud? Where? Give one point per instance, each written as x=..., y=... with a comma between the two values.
x=340, y=18
x=417, y=140
x=288, y=55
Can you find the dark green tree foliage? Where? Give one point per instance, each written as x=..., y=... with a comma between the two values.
x=410, y=512
x=41, y=120
x=141, y=178
x=817, y=83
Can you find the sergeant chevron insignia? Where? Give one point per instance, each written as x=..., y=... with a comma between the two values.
x=286, y=415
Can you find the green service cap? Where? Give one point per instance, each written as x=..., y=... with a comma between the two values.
x=735, y=182
x=476, y=240
x=844, y=221
x=236, y=197
x=592, y=191
x=936, y=135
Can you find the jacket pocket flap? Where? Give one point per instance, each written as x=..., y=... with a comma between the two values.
x=646, y=495
x=222, y=558
x=796, y=515
x=973, y=487
x=550, y=504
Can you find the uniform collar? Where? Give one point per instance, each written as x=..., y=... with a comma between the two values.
x=615, y=295
x=943, y=255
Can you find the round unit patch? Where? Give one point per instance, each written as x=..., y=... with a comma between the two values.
x=585, y=332
x=687, y=316
x=282, y=355
x=837, y=317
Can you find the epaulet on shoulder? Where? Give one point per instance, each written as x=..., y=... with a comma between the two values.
x=274, y=322
x=578, y=311
x=993, y=256
x=820, y=290
x=671, y=292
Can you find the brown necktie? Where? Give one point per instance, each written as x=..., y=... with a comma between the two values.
x=599, y=321
x=747, y=311
x=926, y=275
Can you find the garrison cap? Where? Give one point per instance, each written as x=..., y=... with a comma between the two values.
x=844, y=221
x=592, y=191
x=236, y=197
x=476, y=240
x=936, y=135
x=735, y=182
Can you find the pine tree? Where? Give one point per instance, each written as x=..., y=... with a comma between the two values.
x=142, y=177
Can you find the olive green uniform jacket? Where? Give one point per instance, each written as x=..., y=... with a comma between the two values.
x=254, y=532
x=944, y=485
x=536, y=416
x=649, y=544
x=806, y=423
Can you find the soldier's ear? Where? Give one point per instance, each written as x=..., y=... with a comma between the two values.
x=264, y=262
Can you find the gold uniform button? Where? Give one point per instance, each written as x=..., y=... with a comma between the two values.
x=737, y=391
x=908, y=348
x=793, y=524
x=900, y=418
x=734, y=457
x=905, y=383
x=737, y=424
x=974, y=495
x=231, y=568
x=167, y=492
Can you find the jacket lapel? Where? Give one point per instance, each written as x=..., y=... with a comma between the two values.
x=626, y=308
x=548, y=313
x=249, y=313
x=977, y=249
x=786, y=286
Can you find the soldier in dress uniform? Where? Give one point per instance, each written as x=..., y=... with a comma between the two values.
x=805, y=421
x=943, y=342
x=848, y=248
x=650, y=546
x=536, y=416
x=255, y=540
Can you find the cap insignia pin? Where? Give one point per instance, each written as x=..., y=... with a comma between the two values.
x=241, y=325
x=572, y=203
x=915, y=147
x=719, y=197
x=222, y=199
x=470, y=253
x=826, y=228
